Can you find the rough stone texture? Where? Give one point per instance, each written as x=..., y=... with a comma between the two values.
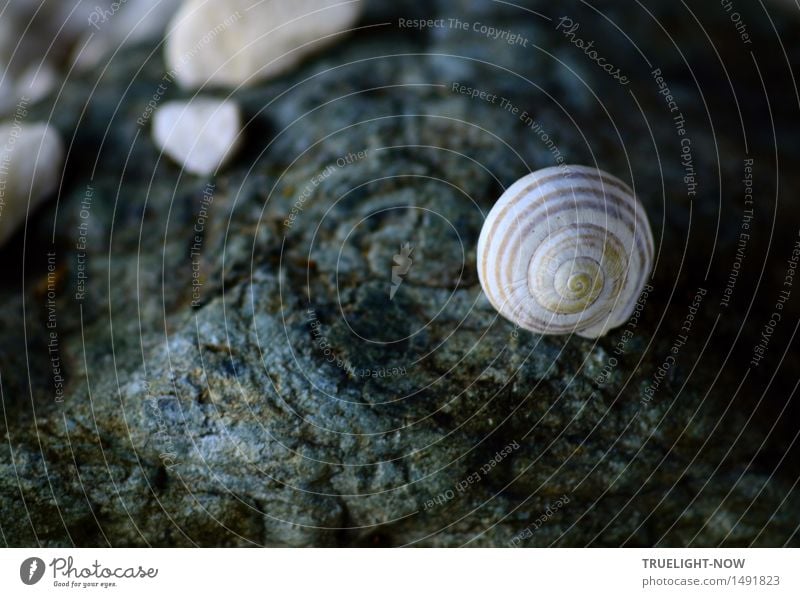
x=223, y=423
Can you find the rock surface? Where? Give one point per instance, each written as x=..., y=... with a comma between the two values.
x=226, y=364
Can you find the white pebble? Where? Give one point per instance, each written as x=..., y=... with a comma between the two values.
x=200, y=134
x=243, y=41
x=37, y=81
x=31, y=159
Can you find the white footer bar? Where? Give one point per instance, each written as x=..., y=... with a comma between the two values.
x=389, y=573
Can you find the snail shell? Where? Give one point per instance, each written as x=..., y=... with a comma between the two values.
x=565, y=250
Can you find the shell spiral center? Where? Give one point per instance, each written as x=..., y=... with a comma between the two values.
x=572, y=269
x=566, y=249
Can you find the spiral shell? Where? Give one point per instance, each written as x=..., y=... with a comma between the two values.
x=566, y=250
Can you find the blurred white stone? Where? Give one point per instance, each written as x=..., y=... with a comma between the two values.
x=135, y=21
x=42, y=29
x=199, y=134
x=242, y=41
x=31, y=160
x=35, y=36
x=37, y=81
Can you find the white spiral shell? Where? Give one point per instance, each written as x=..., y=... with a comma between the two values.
x=565, y=250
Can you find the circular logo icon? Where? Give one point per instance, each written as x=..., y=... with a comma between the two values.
x=31, y=571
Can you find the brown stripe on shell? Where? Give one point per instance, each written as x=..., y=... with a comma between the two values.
x=627, y=199
x=584, y=176
x=527, y=223
x=541, y=324
x=614, y=199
